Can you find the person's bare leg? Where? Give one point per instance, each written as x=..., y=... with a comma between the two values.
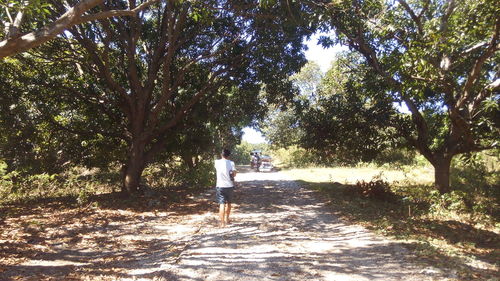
x=222, y=222
x=228, y=211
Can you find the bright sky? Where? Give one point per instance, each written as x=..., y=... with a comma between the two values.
x=323, y=57
x=252, y=136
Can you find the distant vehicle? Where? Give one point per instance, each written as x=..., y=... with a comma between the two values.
x=266, y=165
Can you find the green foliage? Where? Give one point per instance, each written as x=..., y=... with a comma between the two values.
x=43, y=128
x=282, y=126
x=296, y=157
x=79, y=185
x=477, y=173
x=241, y=153
x=308, y=80
x=3, y=168
x=443, y=204
x=37, y=11
x=75, y=183
x=397, y=157
x=344, y=117
x=439, y=58
x=475, y=195
x=477, y=179
x=92, y=97
x=175, y=175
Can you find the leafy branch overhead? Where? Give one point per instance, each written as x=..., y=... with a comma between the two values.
x=14, y=14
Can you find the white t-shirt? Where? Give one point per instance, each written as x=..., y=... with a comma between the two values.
x=223, y=168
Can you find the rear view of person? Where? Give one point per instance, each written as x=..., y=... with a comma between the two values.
x=226, y=171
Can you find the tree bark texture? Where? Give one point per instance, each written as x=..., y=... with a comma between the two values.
x=442, y=173
x=134, y=167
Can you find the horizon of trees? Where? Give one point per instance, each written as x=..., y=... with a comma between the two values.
x=136, y=82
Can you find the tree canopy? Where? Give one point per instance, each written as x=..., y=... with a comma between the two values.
x=439, y=58
x=175, y=75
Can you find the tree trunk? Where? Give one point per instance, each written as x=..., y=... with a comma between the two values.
x=188, y=160
x=132, y=171
x=442, y=173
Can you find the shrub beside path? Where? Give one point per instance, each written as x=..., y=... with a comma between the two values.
x=280, y=231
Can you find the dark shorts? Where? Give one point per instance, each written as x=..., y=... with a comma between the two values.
x=224, y=194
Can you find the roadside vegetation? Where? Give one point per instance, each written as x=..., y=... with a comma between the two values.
x=80, y=188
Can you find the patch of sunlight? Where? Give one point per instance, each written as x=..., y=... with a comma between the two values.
x=175, y=228
x=352, y=175
x=228, y=256
x=344, y=277
x=320, y=246
x=52, y=263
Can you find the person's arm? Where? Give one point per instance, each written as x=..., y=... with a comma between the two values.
x=233, y=169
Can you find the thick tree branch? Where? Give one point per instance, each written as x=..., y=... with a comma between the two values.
x=116, y=13
x=359, y=44
x=210, y=84
x=16, y=45
x=413, y=16
x=173, y=32
x=424, y=9
x=105, y=72
x=478, y=65
x=450, y=8
x=155, y=62
x=16, y=25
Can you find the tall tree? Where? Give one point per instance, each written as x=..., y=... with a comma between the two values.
x=150, y=76
x=439, y=58
x=351, y=118
x=282, y=126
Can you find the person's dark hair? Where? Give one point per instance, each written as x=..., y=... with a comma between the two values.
x=226, y=152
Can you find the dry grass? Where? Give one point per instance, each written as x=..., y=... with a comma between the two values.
x=347, y=175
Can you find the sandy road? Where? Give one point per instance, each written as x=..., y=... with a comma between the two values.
x=284, y=232
x=280, y=231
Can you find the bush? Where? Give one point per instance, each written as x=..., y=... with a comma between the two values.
x=477, y=177
x=376, y=188
x=396, y=157
x=295, y=157
x=174, y=174
x=76, y=182
x=449, y=203
x=478, y=173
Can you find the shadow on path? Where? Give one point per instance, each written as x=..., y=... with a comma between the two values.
x=280, y=232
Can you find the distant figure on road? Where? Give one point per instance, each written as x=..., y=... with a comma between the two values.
x=255, y=160
x=224, y=188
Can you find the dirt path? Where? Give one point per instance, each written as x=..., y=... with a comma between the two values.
x=280, y=231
